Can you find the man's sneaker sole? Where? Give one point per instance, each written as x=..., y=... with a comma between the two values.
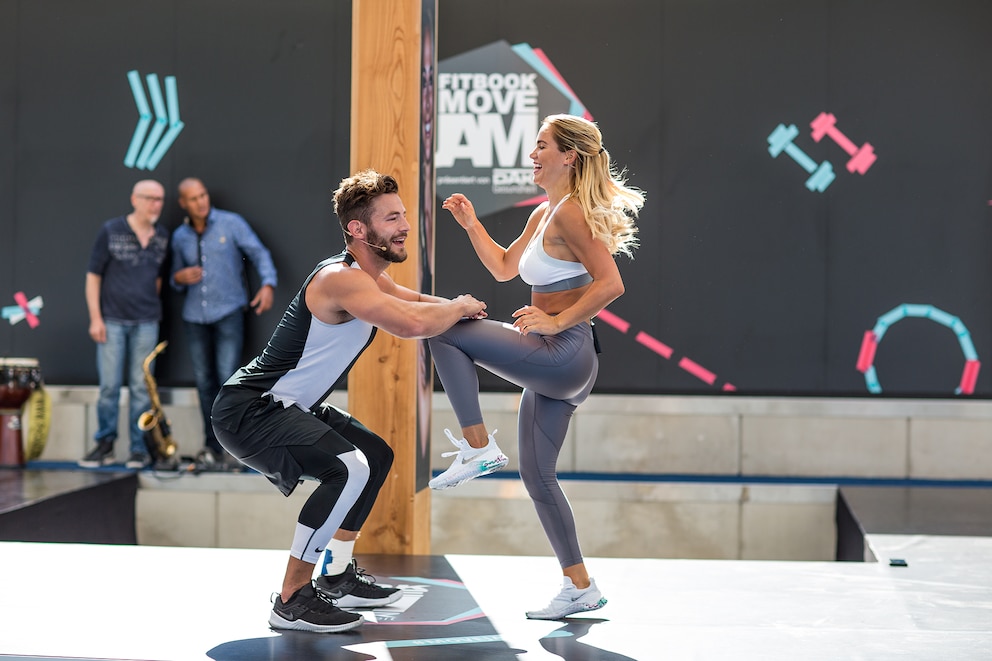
x=83, y=463
x=352, y=601
x=278, y=622
x=469, y=472
x=571, y=609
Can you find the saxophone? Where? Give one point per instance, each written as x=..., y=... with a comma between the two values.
x=158, y=435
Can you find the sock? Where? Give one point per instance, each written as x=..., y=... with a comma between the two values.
x=337, y=557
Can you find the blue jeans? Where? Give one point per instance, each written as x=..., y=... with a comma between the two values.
x=215, y=350
x=127, y=346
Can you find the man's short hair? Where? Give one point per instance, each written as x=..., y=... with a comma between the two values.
x=353, y=198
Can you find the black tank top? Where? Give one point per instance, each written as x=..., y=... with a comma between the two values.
x=305, y=358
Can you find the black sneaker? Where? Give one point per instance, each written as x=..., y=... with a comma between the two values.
x=309, y=610
x=355, y=589
x=211, y=460
x=101, y=455
x=138, y=460
x=166, y=464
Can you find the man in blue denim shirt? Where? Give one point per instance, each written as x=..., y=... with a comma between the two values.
x=208, y=252
x=123, y=283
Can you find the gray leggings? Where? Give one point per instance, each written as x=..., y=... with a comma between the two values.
x=557, y=372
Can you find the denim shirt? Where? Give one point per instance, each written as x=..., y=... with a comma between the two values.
x=220, y=250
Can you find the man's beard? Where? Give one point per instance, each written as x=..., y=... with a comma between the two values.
x=379, y=242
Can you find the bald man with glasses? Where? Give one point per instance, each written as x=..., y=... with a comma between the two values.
x=123, y=283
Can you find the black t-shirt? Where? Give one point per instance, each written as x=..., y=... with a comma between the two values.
x=128, y=271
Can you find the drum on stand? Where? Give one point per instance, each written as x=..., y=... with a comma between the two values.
x=19, y=377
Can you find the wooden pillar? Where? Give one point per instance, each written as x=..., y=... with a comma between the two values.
x=386, y=387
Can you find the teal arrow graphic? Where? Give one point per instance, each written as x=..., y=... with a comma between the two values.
x=144, y=152
x=144, y=118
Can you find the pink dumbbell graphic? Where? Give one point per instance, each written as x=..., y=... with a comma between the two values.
x=861, y=157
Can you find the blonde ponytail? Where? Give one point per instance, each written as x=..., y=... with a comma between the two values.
x=609, y=205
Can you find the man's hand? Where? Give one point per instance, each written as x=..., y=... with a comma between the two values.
x=98, y=331
x=189, y=275
x=473, y=307
x=263, y=299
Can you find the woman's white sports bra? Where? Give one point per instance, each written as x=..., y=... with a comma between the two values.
x=545, y=273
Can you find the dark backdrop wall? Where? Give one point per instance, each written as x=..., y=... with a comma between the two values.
x=749, y=279
x=264, y=96
x=757, y=274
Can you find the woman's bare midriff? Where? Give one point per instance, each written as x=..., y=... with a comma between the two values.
x=556, y=301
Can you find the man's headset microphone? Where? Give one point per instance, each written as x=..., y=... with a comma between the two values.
x=382, y=248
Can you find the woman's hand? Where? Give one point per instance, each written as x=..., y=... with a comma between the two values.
x=462, y=209
x=530, y=319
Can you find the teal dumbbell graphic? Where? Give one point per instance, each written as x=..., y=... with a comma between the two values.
x=781, y=140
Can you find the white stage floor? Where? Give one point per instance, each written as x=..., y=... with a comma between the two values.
x=82, y=601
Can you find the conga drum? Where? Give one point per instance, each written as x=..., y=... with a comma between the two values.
x=18, y=379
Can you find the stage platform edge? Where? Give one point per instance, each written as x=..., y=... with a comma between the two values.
x=87, y=601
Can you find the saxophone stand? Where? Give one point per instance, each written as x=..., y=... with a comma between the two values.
x=154, y=424
x=168, y=464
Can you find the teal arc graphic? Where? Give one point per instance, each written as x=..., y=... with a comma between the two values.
x=147, y=148
x=871, y=339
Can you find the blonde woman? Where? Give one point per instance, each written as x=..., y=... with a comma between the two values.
x=566, y=253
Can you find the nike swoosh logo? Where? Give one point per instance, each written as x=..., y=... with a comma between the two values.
x=318, y=550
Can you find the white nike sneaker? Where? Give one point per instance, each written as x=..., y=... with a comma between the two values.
x=469, y=462
x=571, y=600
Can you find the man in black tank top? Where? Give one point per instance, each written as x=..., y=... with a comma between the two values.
x=271, y=413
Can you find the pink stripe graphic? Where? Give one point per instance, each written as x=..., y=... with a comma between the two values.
x=608, y=317
x=697, y=371
x=658, y=347
x=969, y=376
x=22, y=300
x=532, y=202
x=662, y=349
x=561, y=79
x=471, y=615
x=867, y=355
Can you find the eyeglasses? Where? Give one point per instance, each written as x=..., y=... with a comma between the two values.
x=151, y=198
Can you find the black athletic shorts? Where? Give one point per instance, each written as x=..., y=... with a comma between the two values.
x=259, y=430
